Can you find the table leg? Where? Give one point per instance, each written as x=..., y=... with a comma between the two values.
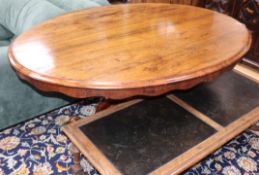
x=103, y=104
x=76, y=168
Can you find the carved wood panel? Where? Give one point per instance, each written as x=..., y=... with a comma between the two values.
x=223, y=6
x=248, y=13
x=149, y=1
x=186, y=2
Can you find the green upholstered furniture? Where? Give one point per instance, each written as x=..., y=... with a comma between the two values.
x=18, y=100
x=4, y=33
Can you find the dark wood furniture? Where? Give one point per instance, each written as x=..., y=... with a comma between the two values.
x=246, y=11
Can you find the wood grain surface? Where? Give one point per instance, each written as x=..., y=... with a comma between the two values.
x=126, y=50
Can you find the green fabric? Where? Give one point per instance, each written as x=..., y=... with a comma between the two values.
x=20, y=15
x=4, y=43
x=101, y=2
x=4, y=33
x=18, y=100
x=72, y=5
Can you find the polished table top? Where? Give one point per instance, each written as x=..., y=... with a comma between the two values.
x=126, y=50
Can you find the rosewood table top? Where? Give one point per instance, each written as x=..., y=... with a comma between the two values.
x=120, y=51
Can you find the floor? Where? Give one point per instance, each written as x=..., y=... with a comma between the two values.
x=39, y=146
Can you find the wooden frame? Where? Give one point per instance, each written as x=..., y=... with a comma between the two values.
x=248, y=72
x=84, y=144
x=179, y=163
x=175, y=166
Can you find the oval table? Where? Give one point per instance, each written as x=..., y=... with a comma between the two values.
x=127, y=50
x=122, y=51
